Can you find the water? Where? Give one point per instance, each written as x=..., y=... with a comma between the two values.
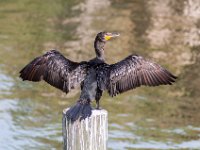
x=165, y=117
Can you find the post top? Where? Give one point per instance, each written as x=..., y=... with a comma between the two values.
x=95, y=112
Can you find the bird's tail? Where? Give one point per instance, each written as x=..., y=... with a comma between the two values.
x=79, y=111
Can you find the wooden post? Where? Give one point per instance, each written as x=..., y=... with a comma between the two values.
x=88, y=134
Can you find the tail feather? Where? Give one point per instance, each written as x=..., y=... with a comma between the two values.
x=79, y=111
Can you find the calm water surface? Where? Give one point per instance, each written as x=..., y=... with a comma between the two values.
x=165, y=117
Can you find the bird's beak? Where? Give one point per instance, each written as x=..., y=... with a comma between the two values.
x=108, y=36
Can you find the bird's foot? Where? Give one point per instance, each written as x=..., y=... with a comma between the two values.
x=97, y=105
x=98, y=108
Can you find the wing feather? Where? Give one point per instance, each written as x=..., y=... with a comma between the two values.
x=133, y=72
x=56, y=70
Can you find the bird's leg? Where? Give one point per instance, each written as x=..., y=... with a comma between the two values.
x=97, y=97
x=97, y=104
x=82, y=84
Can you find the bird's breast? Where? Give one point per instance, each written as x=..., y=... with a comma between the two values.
x=90, y=85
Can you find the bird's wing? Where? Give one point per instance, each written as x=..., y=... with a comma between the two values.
x=133, y=72
x=56, y=70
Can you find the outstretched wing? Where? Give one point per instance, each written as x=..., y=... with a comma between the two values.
x=56, y=70
x=133, y=72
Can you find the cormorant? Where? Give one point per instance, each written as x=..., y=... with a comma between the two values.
x=95, y=75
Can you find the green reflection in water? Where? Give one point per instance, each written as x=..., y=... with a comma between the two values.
x=146, y=118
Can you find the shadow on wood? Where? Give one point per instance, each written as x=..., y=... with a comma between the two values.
x=88, y=134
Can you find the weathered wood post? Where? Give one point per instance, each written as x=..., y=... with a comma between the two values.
x=88, y=134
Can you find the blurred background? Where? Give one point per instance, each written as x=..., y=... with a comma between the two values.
x=168, y=32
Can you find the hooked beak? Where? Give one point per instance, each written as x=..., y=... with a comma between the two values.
x=108, y=36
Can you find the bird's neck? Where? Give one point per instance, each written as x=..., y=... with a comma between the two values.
x=99, y=49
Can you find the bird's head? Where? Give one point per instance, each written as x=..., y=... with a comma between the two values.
x=105, y=36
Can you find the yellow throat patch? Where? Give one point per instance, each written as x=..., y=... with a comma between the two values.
x=107, y=37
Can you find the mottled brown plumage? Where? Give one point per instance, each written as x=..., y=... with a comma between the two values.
x=95, y=76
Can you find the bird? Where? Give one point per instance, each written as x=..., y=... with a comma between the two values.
x=95, y=76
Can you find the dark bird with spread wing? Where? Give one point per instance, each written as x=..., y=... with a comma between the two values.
x=95, y=75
